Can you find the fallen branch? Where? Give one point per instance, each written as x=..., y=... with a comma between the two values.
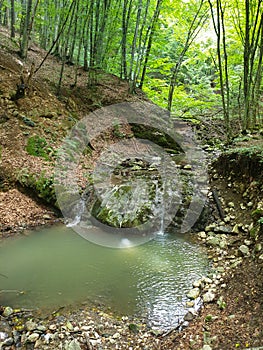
x=218, y=204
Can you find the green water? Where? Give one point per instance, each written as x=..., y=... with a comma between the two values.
x=56, y=267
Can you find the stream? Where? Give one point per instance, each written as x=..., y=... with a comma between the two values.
x=55, y=267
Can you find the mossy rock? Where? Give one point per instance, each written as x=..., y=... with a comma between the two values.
x=156, y=136
x=122, y=207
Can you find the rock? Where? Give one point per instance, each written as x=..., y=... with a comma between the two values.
x=41, y=328
x=193, y=293
x=214, y=241
x=206, y=347
x=116, y=335
x=8, y=342
x=3, y=336
x=28, y=121
x=47, y=217
x=52, y=327
x=7, y=311
x=258, y=247
x=227, y=219
x=231, y=205
x=189, y=303
x=235, y=229
x=244, y=250
x=223, y=229
x=33, y=337
x=73, y=345
x=261, y=257
x=197, y=283
x=189, y=316
x=247, y=242
x=208, y=297
x=210, y=227
x=30, y=325
x=69, y=326
x=202, y=234
x=206, y=280
x=187, y=167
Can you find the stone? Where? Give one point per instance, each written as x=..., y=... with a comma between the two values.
x=189, y=316
x=73, y=345
x=208, y=297
x=244, y=250
x=210, y=227
x=52, y=327
x=30, y=325
x=197, y=283
x=41, y=328
x=235, y=229
x=193, y=293
x=28, y=121
x=116, y=335
x=214, y=241
x=8, y=342
x=3, y=336
x=258, y=247
x=69, y=326
x=189, y=303
x=188, y=167
x=247, y=242
x=202, y=234
x=33, y=337
x=223, y=229
x=206, y=347
x=7, y=311
x=206, y=280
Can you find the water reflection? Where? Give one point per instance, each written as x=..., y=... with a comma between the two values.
x=55, y=267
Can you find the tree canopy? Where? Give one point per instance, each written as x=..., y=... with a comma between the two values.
x=196, y=58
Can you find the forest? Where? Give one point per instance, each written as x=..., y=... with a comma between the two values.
x=195, y=58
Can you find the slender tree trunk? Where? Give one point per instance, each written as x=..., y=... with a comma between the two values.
x=13, y=19
x=246, y=72
x=150, y=36
x=26, y=31
x=194, y=28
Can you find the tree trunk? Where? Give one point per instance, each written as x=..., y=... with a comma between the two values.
x=26, y=31
x=13, y=18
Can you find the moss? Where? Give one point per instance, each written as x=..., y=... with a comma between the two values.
x=41, y=185
x=37, y=146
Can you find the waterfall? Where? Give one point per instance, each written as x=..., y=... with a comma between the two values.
x=76, y=212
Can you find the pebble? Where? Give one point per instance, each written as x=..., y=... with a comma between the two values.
x=8, y=311
x=33, y=337
x=208, y=297
x=193, y=293
x=30, y=325
x=244, y=250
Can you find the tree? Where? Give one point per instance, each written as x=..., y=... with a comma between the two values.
x=199, y=17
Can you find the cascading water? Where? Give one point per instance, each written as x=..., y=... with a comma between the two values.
x=76, y=213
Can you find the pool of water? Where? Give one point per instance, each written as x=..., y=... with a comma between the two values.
x=54, y=267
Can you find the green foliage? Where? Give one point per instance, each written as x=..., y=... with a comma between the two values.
x=221, y=303
x=37, y=146
x=41, y=185
x=251, y=151
x=117, y=129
